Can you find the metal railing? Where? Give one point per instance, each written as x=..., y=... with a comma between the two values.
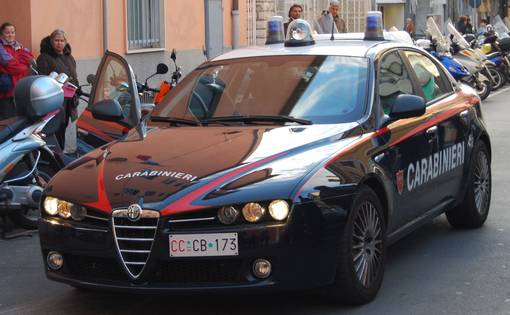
x=144, y=21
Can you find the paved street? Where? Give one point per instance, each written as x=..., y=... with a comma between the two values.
x=435, y=270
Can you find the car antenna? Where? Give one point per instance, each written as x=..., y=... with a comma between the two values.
x=332, y=29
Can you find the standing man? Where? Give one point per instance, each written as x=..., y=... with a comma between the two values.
x=294, y=14
x=325, y=23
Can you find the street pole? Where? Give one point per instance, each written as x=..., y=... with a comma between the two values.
x=105, y=25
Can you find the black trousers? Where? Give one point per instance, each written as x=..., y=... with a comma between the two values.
x=7, y=108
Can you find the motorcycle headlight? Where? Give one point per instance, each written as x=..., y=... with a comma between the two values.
x=54, y=206
x=253, y=212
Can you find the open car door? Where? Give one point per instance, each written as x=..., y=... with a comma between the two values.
x=114, y=80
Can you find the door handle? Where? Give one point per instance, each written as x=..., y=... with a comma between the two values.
x=432, y=130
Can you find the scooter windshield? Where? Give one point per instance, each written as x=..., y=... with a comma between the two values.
x=442, y=43
x=457, y=37
x=500, y=27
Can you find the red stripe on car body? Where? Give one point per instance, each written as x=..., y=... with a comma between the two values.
x=184, y=204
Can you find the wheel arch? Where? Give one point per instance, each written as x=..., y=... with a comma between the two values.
x=376, y=184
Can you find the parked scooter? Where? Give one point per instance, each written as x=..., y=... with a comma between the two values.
x=441, y=45
x=474, y=59
x=22, y=146
x=166, y=86
x=93, y=132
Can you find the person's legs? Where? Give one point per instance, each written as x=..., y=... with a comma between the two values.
x=7, y=108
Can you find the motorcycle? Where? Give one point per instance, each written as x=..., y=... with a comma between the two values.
x=22, y=146
x=94, y=132
x=442, y=47
x=166, y=86
x=474, y=59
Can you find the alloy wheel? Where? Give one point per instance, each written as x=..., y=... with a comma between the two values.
x=367, y=244
x=482, y=182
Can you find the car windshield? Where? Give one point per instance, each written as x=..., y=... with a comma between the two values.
x=320, y=89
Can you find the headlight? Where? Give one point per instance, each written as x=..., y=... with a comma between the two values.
x=253, y=212
x=51, y=205
x=279, y=209
x=228, y=215
x=64, y=209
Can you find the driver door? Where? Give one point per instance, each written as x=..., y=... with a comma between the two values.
x=114, y=80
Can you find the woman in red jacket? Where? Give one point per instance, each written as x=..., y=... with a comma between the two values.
x=15, y=62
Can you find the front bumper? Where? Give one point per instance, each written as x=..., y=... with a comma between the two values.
x=302, y=253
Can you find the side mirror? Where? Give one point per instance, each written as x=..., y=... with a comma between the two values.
x=107, y=110
x=173, y=56
x=161, y=68
x=407, y=106
x=91, y=78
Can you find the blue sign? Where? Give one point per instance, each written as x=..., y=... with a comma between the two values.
x=475, y=3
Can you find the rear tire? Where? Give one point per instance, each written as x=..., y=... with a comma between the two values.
x=483, y=89
x=499, y=79
x=474, y=209
x=362, y=252
x=28, y=218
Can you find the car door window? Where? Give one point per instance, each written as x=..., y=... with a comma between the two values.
x=431, y=79
x=393, y=80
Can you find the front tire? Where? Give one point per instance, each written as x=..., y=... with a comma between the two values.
x=362, y=251
x=499, y=79
x=474, y=209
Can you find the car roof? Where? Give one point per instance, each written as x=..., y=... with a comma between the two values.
x=349, y=44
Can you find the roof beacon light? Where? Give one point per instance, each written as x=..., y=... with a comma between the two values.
x=299, y=33
x=374, y=27
x=275, y=30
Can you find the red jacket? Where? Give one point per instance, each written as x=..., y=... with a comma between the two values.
x=15, y=61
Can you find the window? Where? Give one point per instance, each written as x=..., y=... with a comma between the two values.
x=393, y=80
x=323, y=89
x=145, y=24
x=430, y=78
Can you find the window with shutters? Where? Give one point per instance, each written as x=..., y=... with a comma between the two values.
x=145, y=24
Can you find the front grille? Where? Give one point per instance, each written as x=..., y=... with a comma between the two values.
x=201, y=271
x=134, y=239
x=94, y=267
x=206, y=218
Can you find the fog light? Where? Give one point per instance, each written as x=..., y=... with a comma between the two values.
x=261, y=268
x=55, y=260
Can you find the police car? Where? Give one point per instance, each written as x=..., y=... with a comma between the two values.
x=285, y=167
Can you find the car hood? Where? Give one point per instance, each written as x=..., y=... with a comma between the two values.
x=186, y=168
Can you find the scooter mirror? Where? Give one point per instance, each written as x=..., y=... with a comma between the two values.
x=91, y=78
x=173, y=56
x=161, y=68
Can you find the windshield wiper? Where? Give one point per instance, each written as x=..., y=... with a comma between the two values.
x=257, y=118
x=175, y=120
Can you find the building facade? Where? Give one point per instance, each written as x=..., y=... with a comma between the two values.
x=144, y=31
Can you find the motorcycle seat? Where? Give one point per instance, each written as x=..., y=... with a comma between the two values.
x=11, y=126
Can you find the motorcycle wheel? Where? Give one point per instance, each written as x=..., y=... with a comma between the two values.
x=498, y=77
x=483, y=89
x=28, y=218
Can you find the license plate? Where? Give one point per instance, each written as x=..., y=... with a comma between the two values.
x=193, y=245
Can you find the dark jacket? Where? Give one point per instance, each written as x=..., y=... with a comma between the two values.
x=14, y=60
x=49, y=61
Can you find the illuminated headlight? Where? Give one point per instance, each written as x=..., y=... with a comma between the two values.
x=228, y=215
x=64, y=209
x=279, y=209
x=253, y=212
